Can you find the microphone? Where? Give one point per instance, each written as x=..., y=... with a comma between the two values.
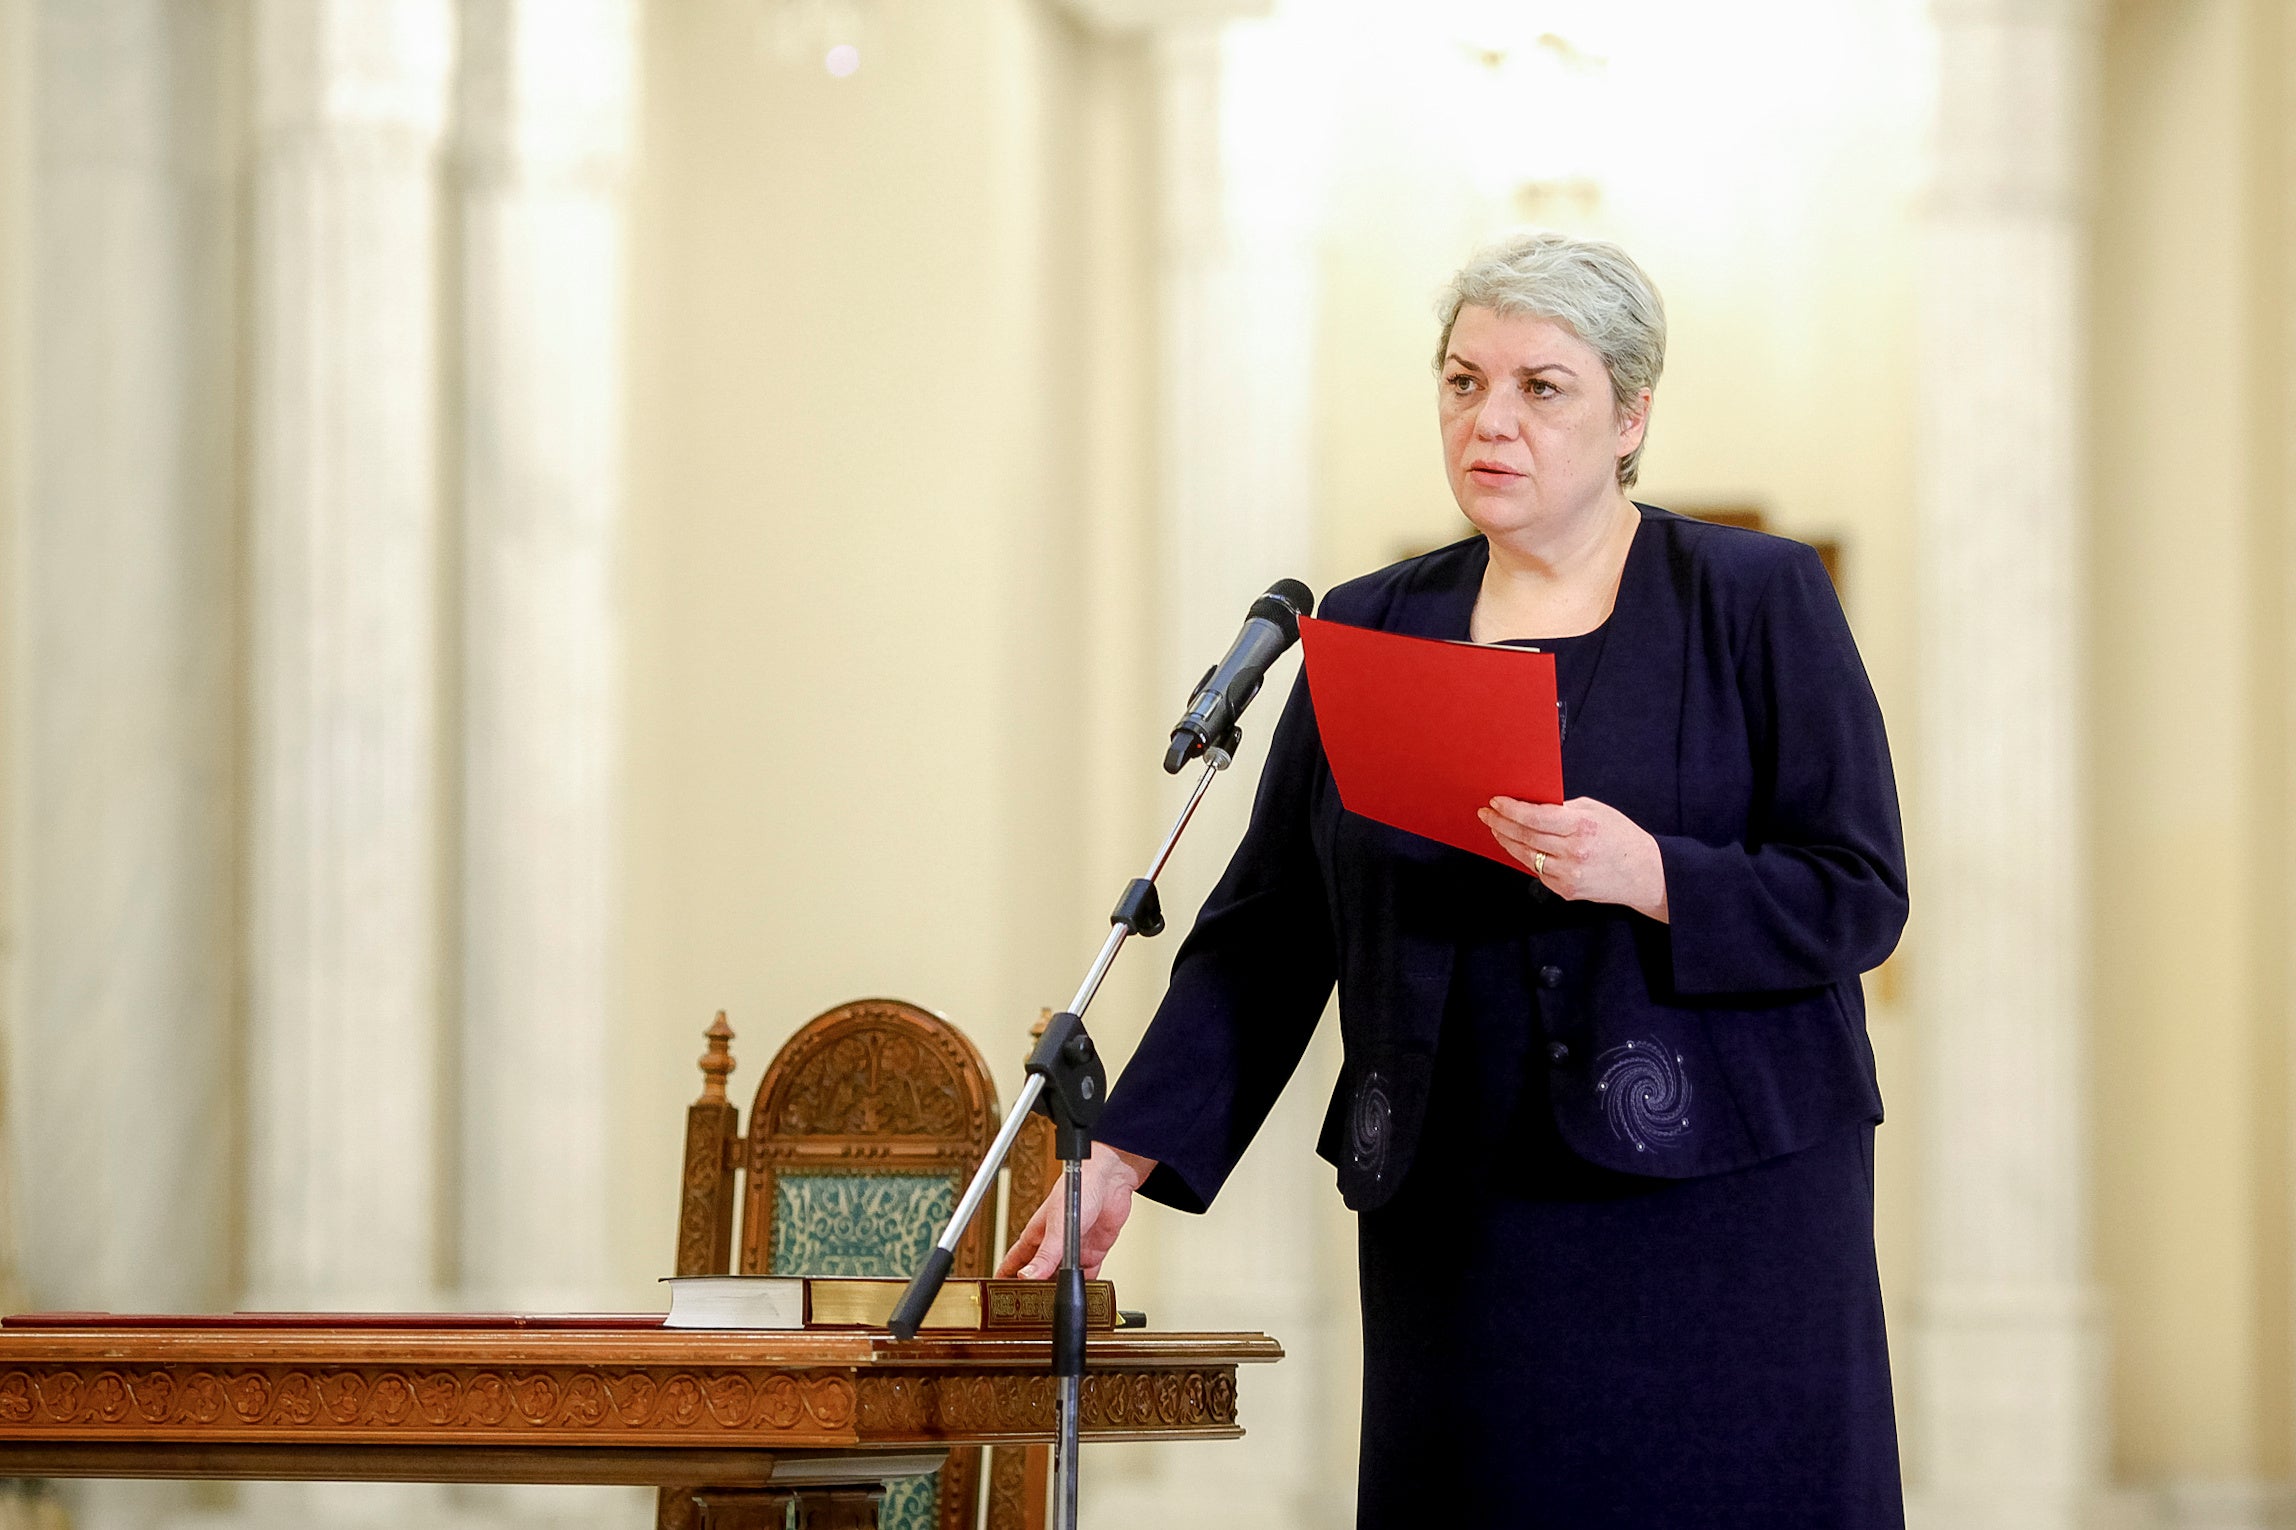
x=1230, y=685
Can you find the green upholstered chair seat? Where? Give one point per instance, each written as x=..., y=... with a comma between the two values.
x=870, y=1224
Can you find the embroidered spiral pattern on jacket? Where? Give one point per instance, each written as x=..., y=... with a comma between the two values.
x=1369, y=1127
x=1644, y=1093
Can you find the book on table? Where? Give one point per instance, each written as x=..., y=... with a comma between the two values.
x=812, y=1301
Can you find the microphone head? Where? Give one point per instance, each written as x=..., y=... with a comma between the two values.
x=1286, y=601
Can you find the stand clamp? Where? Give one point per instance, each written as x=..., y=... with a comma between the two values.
x=1075, y=1083
x=1075, y=1088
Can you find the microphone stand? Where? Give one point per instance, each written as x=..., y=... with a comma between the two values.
x=1066, y=1082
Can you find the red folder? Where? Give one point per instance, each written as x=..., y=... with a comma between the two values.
x=1421, y=733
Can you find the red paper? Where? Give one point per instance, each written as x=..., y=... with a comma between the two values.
x=1421, y=733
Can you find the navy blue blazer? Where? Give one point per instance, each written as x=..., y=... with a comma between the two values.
x=1728, y=715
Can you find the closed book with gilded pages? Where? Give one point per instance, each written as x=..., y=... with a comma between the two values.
x=801, y=1301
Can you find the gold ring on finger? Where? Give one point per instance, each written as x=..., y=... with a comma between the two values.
x=1539, y=864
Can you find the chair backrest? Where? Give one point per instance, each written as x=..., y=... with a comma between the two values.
x=864, y=1131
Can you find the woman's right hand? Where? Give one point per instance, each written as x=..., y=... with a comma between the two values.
x=1110, y=1176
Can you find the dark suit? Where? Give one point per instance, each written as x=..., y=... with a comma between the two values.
x=1729, y=716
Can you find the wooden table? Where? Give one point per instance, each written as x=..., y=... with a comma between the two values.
x=745, y=1422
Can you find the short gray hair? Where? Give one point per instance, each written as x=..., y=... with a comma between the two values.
x=1589, y=285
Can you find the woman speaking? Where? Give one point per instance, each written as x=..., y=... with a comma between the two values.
x=1607, y=1119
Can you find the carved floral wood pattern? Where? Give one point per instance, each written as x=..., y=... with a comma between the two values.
x=877, y=1068
x=713, y=1127
x=705, y=1200
x=562, y=1404
x=1035, y=1170
x=430, y=1402
x=1008, y=1485
x=907, y=1406
x=874, y=1083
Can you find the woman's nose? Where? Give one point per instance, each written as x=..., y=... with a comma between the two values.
x=1497, y=420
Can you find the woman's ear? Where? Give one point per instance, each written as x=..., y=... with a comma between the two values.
x=1633, y=421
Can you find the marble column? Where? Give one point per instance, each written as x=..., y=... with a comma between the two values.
x=344, y=1052
x=343, y=1120
x=545, y=134
x=2007, y=1421
x=120, y=1101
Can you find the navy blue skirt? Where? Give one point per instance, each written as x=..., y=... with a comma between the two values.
x=1553, y=1346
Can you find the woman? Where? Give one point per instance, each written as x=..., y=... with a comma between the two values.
x=1608, y=1124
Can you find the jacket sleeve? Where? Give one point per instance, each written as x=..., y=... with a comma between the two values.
x=1248, y=986
x=1815, y=894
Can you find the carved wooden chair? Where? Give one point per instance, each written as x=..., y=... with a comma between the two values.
x=863, y=1133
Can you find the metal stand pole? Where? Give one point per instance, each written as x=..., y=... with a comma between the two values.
x=1068, y=1351
x=1067, y=1083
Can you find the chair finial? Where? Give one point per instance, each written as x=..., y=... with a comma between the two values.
x=717, y=1062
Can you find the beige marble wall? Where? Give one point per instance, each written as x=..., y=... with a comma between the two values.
x=862, y=559
x=15, y=194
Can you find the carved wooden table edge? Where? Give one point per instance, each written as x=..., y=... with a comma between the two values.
x=559, y=1465
x=669, y=1407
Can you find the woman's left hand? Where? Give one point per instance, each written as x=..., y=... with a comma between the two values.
x=1584, y=850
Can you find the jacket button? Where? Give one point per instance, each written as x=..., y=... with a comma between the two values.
x=1550, y=977
x=1558, y=1051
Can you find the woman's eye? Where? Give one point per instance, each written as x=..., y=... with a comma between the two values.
x=1541, y=388
x=1459, y=382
